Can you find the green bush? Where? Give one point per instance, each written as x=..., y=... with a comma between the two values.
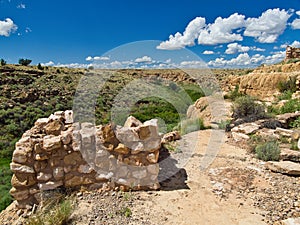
x=246, y=107
x=286, y=95
x=234, y=94
x=291, y=106
x=295, y=123
x=25, y=62
x=268, y=151
x=289, y=85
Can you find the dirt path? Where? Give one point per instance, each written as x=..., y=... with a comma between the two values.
x=196, y=203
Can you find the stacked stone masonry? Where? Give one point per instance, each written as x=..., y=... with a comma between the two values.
x=292, y=53
x=57, y=153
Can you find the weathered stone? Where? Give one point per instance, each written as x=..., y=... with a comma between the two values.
x=86, y=169
x=140, y=173
x=40, y=165
x=152, y=144
x=77, y=181
x=298, y=144
x=153, y=169
x=68, y=117
x=73, y=159
x=104, y=176
x=76, y=140
x=19, y=168
x=171, y=136
x=22, y=180
x=283, y=132
x=122, y=149
x=239, y=136
x=19, y=194
x=290, y=155
x=108, y=135
x=66, y=137
x=58, y=173
x=51, y=142
x=122, y=171
x=38, y=148
x=43, y=176
x=41, y=157
x=54, y=128
x=41, y=122
x=50, y=185
x=144, y=132
x=153, y=157
x=284, y=167
x=19, y=156
x=132, y=122
x=152, y=126
x=246, y=128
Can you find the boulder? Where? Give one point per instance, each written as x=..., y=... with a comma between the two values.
x=284, y=167
x=246, y=128
x=290, y=155
x=239, y=136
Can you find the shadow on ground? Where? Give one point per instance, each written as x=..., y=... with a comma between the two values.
x=170, y=176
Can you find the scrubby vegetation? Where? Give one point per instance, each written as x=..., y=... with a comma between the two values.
x=54, y=212
x=247, y=109
x=268, y=151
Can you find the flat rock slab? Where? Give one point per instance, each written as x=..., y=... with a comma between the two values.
x=284, y=167
x=290, y=155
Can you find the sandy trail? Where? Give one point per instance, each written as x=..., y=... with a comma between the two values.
x=196, y=203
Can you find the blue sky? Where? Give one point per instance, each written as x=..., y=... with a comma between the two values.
x=220, y=33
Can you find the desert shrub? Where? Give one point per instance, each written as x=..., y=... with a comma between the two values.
x=25, y=62
x=234, y=94
x=295, y=123
x=245, y=107
x=286, y=95
x=289, y=85
x=268, y=151
x=224, y=124
x=190, y=125
x=294, y=145
x=291, y=106
x=53, y=214
x=2, y=62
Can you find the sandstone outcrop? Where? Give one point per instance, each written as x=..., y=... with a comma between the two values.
x=58, y=153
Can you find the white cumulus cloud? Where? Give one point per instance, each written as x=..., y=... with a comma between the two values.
x=221, y=31
x=179, y=41
x=268, y=27
x=234, y=48
x=206, y=52
x=242, y=60
x=97, y=58
x=7, y=27
x=144, y=59
x=50, y=63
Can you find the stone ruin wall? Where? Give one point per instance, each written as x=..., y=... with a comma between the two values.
x=54, y=154
x=292, y=53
